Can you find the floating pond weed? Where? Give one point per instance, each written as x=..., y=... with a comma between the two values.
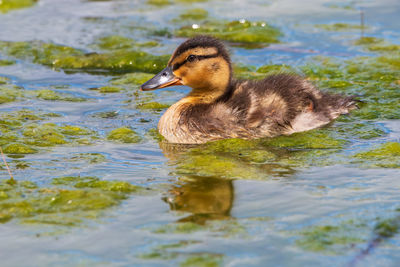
x=193, y=14
x=117, y=42
x=71, y=59
x=27, y=134
x=242, y=31
x=124, y=135
x=152, y=106
x=5, y=62
x=386, y=156
x=333, y=239
x=68, y=201
x=47, y=94
x=341, y=27
x=9, y=5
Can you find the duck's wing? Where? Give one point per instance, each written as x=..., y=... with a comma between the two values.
x=285, y=103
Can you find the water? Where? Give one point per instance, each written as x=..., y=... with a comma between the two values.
x=184, y=218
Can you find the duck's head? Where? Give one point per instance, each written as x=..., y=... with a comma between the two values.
x=201, y=63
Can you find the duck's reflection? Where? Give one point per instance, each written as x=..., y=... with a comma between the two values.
x=205, y=198
x=206, y=172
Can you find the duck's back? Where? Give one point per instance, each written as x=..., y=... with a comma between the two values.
x=284, y=104
x=278, y=104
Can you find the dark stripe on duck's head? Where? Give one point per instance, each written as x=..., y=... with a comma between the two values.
x=202, y=41
x=192, y=58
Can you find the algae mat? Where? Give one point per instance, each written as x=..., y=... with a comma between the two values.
x=96, y=185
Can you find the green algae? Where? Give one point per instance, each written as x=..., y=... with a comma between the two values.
x=225, y=158
x=8, y=5
x=374, y=44
x=152, y=106
x=190, y=1
x=193, y=14
x=21, y=164
x=163, y=32
x=114, y=42
x=332, y=239
x=242, y=31
x=136, y=78
x=47, y=94
x=68, y=202
x=361, y=130
x=171, y=252
x=106, y=114
x=203, y=260
x=71, y=59
x=341, y=27
x=179, y=228
x=117, y=42
x=10, y=92
x=251, y=72
x=257, y=159
x=271, y=69
x=91, y=158
x=373, y=79
x=5, y=62
x=216, y=166
x=342, y=6
x=155, y=135
x=124, y=135
x=94, y=182
x=110, y=89
x=159, y=2
x=18, y=149
x=4, y=80
x=44, y=135
x=74, y=130
x=386, y=156
x=387, y=228
x=24, y=127
x=19, y=117
x=246, y=72
x=316, y=139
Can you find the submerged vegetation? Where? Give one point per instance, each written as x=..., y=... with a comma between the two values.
x=24, y=132
x=124, y=135
x=387, y=155
x=71, y=59
x=340, y=27
x=66, y=201
x=8, y=5
x=242, y=31
x=332, y=239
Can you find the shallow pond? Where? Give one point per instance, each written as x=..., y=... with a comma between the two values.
x=95, y=185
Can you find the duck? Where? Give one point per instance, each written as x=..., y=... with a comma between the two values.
x=219, y=106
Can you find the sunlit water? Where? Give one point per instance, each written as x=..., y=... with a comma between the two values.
x=255, y=222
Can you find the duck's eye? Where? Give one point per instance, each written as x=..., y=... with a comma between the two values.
x=191, y=58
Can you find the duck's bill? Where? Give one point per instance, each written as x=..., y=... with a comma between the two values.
x=163, y=79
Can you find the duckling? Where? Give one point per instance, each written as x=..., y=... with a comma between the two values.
x=220, y=106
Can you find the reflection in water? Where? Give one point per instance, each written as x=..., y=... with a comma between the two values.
x=206, y=171
x=205, y=198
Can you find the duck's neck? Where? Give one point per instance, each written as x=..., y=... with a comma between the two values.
x=172, y=123
x=208, y=95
